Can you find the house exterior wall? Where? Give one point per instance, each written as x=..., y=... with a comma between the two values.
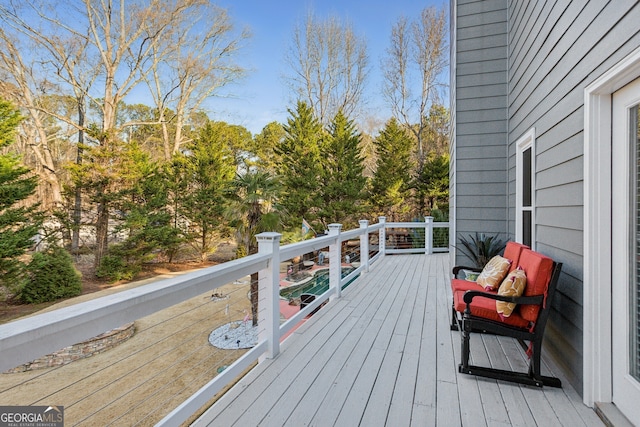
x=555, y=50
x=478, y=197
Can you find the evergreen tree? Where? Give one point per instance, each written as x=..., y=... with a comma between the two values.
x=433, y=182
x=237, y=140
x=209, y=169
x=263, y=147
x=389, y=191
x=343, y=180
x=142, y=217
x=301, y=165
x=18, y=223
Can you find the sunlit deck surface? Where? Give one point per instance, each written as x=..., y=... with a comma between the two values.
x=383, y=354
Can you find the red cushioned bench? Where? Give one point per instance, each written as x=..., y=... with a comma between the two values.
x=474, y=311
x=512, y=252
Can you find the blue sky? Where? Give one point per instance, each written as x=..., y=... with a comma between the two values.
x=262, y=96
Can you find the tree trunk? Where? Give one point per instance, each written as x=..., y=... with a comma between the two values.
x=77, y=207
x=254, y=299
x=102, y=233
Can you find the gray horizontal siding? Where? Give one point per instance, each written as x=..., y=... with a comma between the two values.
x=480, y=134
x=561, y=195
x=569, y=217
x=484, y=115
x=484, y=150
x=560, y=173
x=496, y=127
x=492, y=78
x=471, y=68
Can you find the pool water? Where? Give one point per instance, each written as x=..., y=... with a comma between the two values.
x=317, y=285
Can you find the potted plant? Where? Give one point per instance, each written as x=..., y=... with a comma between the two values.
x=481, y=248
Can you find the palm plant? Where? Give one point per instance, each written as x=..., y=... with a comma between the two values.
x=481, y=248
x=253, y=209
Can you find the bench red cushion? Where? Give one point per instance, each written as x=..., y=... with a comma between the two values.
x=465, y=285
x=538, y=268
x=512, y=251
x=486, y=308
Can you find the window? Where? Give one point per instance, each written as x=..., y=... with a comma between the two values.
x=525, y=189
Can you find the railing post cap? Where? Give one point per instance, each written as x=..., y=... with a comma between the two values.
x=268, y=235
x=363, y=222
x=382, y=218
x=335, y=226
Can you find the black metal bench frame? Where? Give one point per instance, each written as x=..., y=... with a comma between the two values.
x=470, y=323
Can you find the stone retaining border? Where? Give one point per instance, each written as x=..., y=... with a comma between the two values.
x=88, y=348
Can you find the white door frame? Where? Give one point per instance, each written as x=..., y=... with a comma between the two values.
x=626, y=389
x=597, y=310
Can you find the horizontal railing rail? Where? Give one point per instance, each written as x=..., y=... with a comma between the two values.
x=417, y=237
x=28, y=338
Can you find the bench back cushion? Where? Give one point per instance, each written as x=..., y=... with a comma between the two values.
x=538, y=269
x=512, y=252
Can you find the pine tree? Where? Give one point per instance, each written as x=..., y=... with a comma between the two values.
x=18, y=223
x=433, y=182
x=209, y=170
x=300, y=165
x=389, y=189
x=263, y=147
x=142, y=216
x=343, y=180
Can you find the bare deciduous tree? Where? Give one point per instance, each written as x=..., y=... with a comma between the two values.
x=412, y=68
x=123, y=43
x=329, y=65
x=21, y=86
x=193, y=62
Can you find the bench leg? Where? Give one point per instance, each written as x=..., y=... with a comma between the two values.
x=535, y=370
x=533, y=377
x=454, y=318
x=466, y=336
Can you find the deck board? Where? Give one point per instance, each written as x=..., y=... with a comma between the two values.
x=383, y=354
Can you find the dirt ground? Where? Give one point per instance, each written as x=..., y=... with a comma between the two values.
x=141, y=380
x=91, y=284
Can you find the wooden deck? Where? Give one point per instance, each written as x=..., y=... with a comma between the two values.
x=383, y=354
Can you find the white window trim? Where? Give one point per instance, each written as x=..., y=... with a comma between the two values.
x=526, y=141
x=597, y=310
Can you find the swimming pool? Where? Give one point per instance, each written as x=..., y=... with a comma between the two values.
x=317, y=285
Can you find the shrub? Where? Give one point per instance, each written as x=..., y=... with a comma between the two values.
x=114, y=267
x=51, y=276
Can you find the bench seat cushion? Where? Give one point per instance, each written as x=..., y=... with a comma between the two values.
x=465, y=285
x=486, y=308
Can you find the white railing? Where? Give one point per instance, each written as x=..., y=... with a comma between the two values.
x=26, y=339
x=417, y=237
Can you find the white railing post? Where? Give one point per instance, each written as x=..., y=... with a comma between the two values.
x=269, y=294
x=335, y=261
x=428, y=235
x=382, y=235
x=364, y=245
